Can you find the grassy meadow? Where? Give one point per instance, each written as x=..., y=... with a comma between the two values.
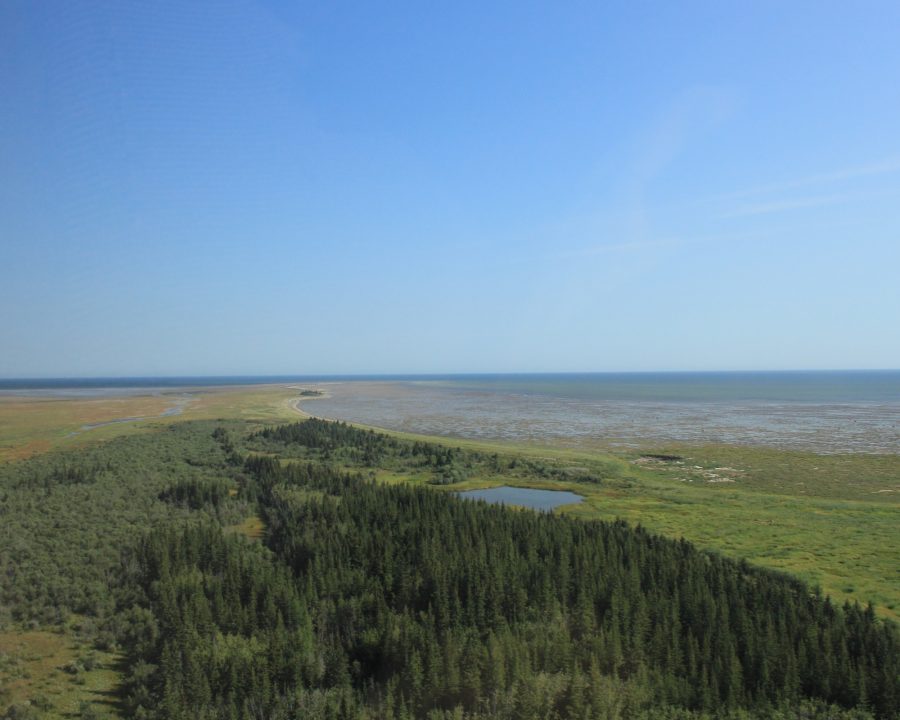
x=31, y=425
x=59, y=673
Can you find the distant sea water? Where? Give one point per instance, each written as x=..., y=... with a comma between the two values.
x=846, y=411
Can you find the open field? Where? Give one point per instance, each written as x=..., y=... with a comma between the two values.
x=30, y=425
x=59, y=674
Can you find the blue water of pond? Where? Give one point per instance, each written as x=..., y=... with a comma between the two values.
x=544, y=500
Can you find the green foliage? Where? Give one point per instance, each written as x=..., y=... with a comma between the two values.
x=21, y=712
x=196, y=494
x=66, y=517
x=366, y=446
x=394, y=601
x=404, y=602
x=337, y=441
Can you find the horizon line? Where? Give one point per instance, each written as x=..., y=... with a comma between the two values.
x=277, y=377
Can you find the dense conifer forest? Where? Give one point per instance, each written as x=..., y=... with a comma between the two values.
x=371, y=600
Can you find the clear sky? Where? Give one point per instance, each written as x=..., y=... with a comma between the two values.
x=251, y=187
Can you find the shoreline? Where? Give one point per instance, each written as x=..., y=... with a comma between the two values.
x=501, y=417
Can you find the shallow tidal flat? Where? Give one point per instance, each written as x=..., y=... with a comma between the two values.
x=461, y=410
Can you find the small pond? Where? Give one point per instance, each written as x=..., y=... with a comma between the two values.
x=526, y=497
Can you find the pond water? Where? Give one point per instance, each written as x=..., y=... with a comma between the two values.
x=544, y=500
x=176, y=409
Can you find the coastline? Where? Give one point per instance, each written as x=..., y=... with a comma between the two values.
x=500, y=415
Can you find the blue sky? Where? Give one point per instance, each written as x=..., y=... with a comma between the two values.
x=274, y=187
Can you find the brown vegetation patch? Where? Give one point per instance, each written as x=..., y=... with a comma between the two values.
x=30, y=661
x=252, y=528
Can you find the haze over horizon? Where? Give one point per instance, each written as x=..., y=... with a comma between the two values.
x=8, y=382
x=258, y=188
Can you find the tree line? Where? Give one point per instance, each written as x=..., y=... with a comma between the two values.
x=404, y=602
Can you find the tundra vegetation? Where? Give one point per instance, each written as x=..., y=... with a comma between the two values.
x=232, y=569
